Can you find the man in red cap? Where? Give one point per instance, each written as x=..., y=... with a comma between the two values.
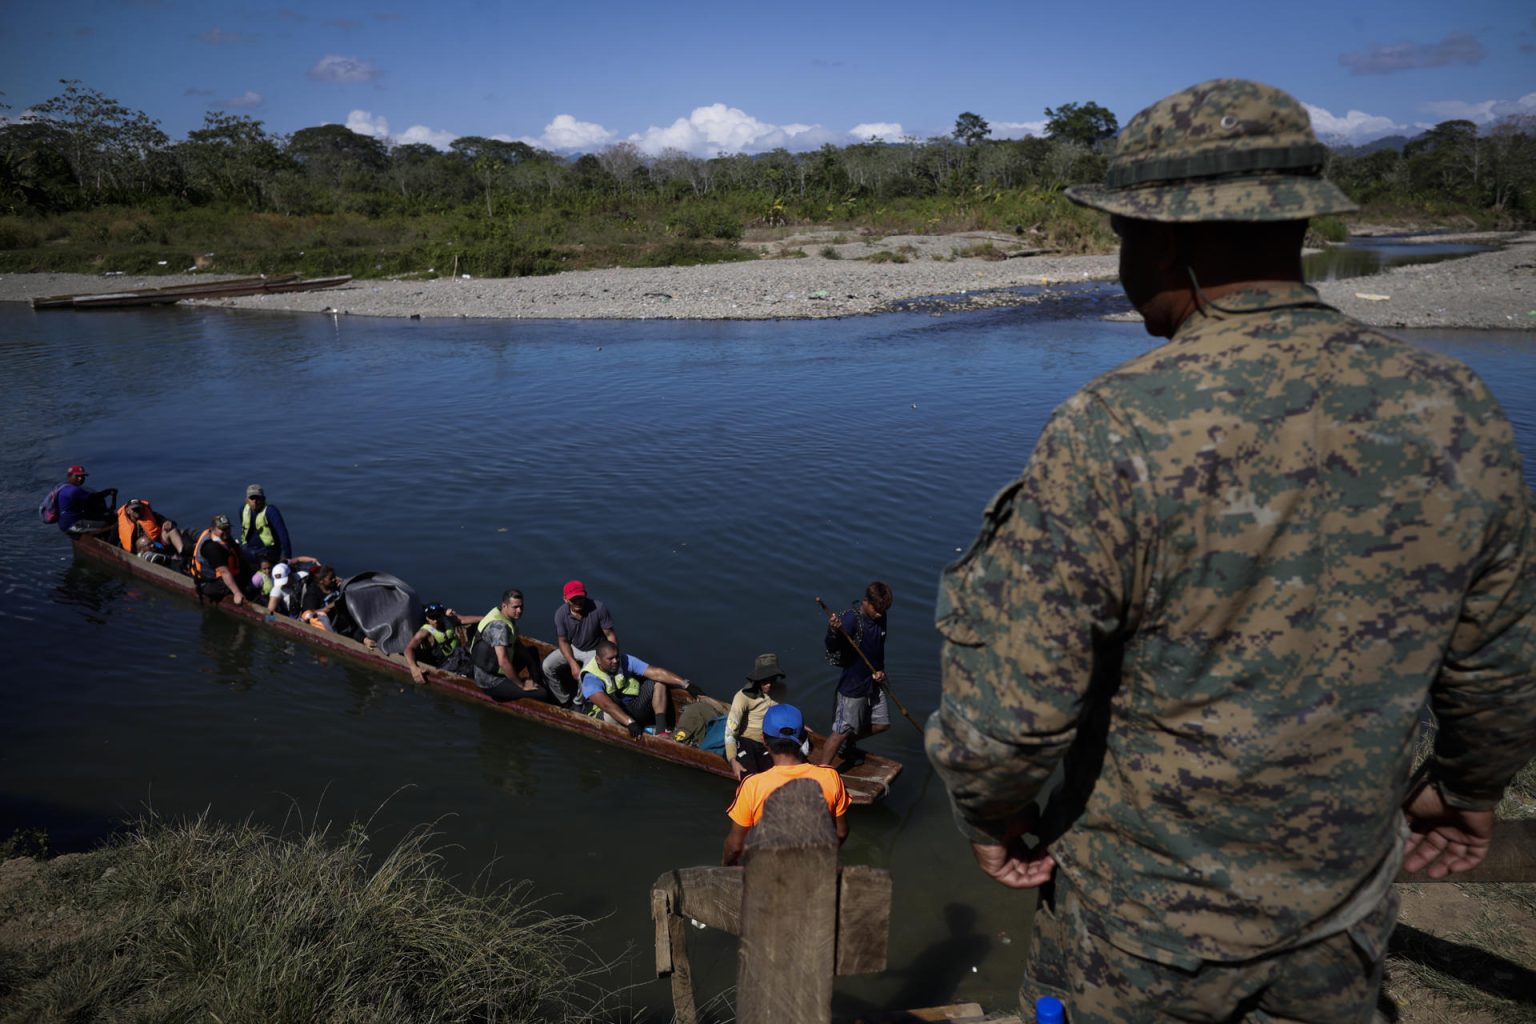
x=579, y=624
x=88, y=508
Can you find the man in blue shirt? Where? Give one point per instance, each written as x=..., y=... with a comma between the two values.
x=862, y=709
x=79, y=505
x=262, y=531
x=625, y=688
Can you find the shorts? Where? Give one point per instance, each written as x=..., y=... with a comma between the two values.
x=856, y=715
x=214, y=589
x=1334, y=980
x=639, y=706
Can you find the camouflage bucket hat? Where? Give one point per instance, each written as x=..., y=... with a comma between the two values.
x=1227, y=150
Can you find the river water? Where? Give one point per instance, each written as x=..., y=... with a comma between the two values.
x=707, y=479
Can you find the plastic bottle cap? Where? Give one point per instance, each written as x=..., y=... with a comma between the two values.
x=1048, y=1010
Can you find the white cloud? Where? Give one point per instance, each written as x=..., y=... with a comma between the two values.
x=420, y=133
x=248, y=100
x=364, y=123
x=334, y=68
x=1017, y=129
x=1486, y=112
x=885, y=131
x=1354, y=127
x=565, y=132
x=377, y=126
x=717, y=128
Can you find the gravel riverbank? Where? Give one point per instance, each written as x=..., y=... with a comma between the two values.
x=836, y=277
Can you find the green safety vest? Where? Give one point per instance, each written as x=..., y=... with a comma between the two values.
x=622, y=684
x=446, y=640
x=263, y=531
x=481, y=653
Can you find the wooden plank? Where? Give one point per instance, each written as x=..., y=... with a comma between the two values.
x=788, y=911
x=863, y=919
x=661, y=911
x=685, y=1008
x=672, y=948
x=1511, y=858
x=711, y=896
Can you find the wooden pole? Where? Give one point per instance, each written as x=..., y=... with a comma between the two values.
x=788, y=911
x=886, y=685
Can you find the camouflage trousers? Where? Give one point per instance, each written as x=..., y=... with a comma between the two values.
x=1331, y=981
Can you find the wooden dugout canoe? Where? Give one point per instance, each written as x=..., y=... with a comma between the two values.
x=175, y=293
x=865, y=784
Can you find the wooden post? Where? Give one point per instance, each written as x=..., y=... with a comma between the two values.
x=788, y=911
x=672, y=951
x=801, y=918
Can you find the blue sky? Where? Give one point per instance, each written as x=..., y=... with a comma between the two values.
x=578, y=75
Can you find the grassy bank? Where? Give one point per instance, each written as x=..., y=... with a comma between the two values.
x=515, y=242
x=209, y=922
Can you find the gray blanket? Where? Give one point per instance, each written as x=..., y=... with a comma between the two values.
x=386, y=609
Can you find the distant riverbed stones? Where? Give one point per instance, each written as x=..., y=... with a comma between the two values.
x=937, y=273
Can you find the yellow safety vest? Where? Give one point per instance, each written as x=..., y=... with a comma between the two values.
x=263, y=531
x=622, y=684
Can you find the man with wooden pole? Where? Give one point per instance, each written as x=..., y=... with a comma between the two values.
x=855, y=642
x=1227, y=582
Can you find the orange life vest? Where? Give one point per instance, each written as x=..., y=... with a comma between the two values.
x=201, y=569
x=148, y=523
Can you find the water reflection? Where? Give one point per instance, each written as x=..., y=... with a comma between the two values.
x=83, y=586
x=1365, y=256
x=226, y=646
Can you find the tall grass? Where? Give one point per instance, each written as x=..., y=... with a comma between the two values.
x=210, y=922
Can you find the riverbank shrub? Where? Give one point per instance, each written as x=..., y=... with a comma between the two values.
x=204, y=921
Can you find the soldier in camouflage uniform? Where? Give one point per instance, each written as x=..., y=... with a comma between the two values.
x=1232, y=573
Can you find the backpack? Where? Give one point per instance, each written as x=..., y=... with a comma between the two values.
x=48, y=511
x=713, y=739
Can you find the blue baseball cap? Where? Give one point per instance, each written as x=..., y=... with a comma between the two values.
x=783, y=721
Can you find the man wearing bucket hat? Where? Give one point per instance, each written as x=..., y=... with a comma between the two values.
x=785, y=737
x=1232, y=573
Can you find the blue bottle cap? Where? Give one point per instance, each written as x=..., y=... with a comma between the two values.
x=1048, y=1010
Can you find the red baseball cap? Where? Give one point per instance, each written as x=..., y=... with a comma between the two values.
x=575, y=588
x=76, y=470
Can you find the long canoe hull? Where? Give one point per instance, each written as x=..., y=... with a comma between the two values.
x=865, y=784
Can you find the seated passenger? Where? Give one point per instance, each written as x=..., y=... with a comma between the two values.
x=144, y=532
x=498, y=657
x=629, y=695
x=215, y=563
x=315, y=597
x=280, y=597
x=441, y=643
x=287, y=578
x=263, y=533
x=744, y=750
x=82, y=510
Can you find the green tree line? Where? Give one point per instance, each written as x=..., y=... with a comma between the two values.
x=86, y=180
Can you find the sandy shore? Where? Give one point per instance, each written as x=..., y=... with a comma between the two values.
x=1494, y=290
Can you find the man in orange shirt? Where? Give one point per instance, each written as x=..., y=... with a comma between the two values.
x=784, y=736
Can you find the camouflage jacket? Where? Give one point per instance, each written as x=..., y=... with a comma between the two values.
x=1231, y=574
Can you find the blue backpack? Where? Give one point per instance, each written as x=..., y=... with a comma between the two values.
x=48, y=511
x=713, y=739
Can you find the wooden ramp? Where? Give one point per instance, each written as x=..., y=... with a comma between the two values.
x=227, y=289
